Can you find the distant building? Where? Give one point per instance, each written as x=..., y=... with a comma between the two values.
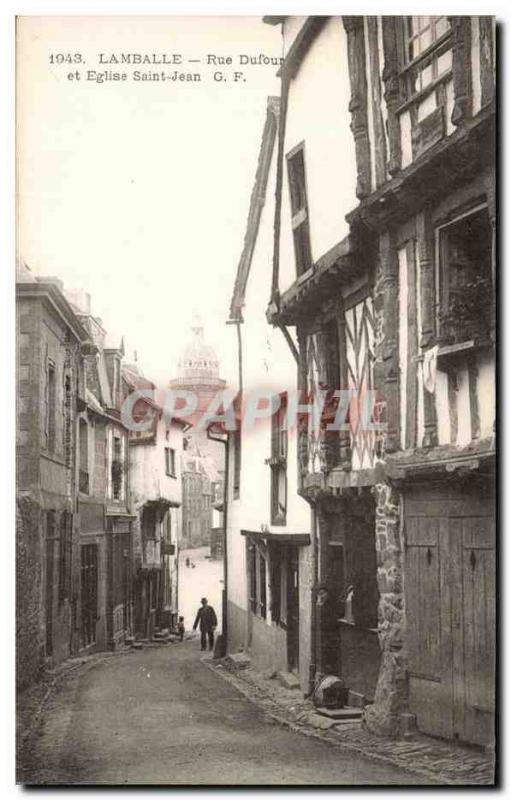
x=199, y=373
x=217, y=518
x=156, y=494
x=200, y=476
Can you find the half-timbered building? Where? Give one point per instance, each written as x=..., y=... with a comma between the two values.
x=384, y=263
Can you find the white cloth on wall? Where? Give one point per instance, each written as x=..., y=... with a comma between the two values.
x=429, y=368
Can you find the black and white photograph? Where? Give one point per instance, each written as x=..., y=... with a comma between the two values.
x=255, y=415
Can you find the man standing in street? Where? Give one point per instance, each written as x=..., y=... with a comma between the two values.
x=207, y=618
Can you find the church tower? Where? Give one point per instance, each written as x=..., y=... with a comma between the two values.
x=198, y=371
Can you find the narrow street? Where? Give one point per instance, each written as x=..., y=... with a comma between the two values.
x=160, y=716
x=203, y=579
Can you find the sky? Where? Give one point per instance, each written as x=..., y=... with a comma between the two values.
x=138, y=192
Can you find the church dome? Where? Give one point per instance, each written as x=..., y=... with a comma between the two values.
x=198, y=359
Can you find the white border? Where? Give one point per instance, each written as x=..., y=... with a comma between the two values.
x=8, y=10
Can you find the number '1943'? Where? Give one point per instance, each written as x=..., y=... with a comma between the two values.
x=66, y=58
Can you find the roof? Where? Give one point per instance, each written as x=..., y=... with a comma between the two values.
x=50, y=290
x=300, y=46
x=305, y=295
x=298, y=539
x=135, y=380
x=257, y=200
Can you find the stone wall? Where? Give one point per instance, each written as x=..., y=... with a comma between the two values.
x=268, y=649
x=29, y=559
x=236, y=628
x=390, y=698
x=305, y=583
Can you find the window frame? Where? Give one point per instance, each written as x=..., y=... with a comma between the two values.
x=170, y=468
x=83, y=463
x=300, y=214
x=51, y=406
x=441, y=277
x=117, y=482
x=257, y=583
x=429, y=56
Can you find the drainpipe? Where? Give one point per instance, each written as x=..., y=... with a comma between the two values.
x=225, y=443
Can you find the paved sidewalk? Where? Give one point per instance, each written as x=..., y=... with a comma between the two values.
x=441, y=762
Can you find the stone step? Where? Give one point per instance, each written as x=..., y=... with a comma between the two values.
x=348, y=712
x=288, y=680
x=239, y=660
x=137, y=645
x=356, y=700
x=161, y=634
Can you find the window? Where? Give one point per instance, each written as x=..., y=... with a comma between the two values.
x=428, y=54
x=117, y=468
x=83, y=474
x=279, y=564
x=299, y=209
x=278, y=464
x=50, y=407
x=465, y=292
x=67, y=429
x=66, y=541
x=148, y=523
x=170, y=462
x=256, y=564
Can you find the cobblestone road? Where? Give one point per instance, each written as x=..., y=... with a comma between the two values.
x=160, y=716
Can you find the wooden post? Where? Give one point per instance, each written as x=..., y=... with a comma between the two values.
x=387, y=348
x=354, y=27
x=391, y=94
x=486, y=55
x=411, y=379
x=426, y=266
x=461, y=69
x=344, y=435
x=492, y=213
x=380, y=144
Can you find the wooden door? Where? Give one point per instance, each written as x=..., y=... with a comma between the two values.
x=50, y=560
x=450, y=614
x=293, y=610
x=89, y=593
x=476, y=714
